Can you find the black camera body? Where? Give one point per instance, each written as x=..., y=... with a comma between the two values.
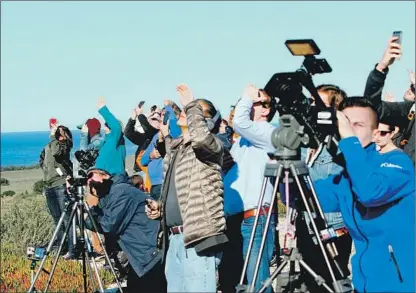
x=318, y=121
x=86, y=159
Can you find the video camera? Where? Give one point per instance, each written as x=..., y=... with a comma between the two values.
x=317, y=121
x=86, y=159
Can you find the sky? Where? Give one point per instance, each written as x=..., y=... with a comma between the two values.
x=57, y=58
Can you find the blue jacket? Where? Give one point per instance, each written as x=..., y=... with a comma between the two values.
x=122, y=214
x=112, y=155
x=95, y=142
x=376, y=198
x=174, y=130
x=155, y=166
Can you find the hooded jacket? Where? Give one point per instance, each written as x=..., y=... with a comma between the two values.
x=375, y=195
x=121, y=213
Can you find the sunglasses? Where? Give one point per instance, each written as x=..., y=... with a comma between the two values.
x=384, y=132
x=263, y=104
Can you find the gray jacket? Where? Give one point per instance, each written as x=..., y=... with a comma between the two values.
x=199, y=183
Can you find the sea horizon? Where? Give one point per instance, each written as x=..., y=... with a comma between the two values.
x=22, y=149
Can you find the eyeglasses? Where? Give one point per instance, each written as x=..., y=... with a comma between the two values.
x=384, y=132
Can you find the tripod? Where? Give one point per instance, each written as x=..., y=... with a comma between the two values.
x=76, y=207
x=287, y=140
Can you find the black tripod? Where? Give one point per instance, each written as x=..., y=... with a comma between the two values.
x=287, y=140
x=76, y=207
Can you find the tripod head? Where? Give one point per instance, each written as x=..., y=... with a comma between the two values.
x=288, y=138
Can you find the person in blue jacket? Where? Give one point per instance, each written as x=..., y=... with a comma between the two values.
x=121, y=215
x=153, y=156
x=375, y=195
x=112, y=155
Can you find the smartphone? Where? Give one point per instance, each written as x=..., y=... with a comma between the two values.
x=398, y=34
x=141, y=104
x=166, y=118
x=52, y=121
x=153, y=108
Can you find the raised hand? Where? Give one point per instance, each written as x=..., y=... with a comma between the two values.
x=253, y=93
x=344, y=126
x=84, y=128
x=100, y=102
x=393, y=51
x=388, y=97
x=412, y=76
x=185, y=94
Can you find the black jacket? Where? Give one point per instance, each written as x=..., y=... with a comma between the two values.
x=121, y=214
x=142, y=140
x=392, y=113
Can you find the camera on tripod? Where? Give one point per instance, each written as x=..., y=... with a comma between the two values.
x=317, y=122
x=35, y=253
x=86, y=159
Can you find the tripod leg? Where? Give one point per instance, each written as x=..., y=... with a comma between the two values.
x=270, y=280
x=90, y=252
x=318, y=278
x=87, y=208
x=253, y=232
x=49, y=248
x=74, y=208
x=88, y=255
x=82, y=240
x=315, y=229
x=266, y=229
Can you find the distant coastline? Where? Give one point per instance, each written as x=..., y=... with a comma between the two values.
x=18, y=168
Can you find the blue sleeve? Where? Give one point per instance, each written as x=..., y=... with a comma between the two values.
x=114, y=125
x=95, y=145
x=259, y=134
x=377, y=185
x=83, y=145
x=326, y=192
x=145, y=160
x=174, y=129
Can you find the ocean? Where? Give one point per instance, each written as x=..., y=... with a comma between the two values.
x=24, y=148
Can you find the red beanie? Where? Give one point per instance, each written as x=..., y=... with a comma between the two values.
x=94, y=127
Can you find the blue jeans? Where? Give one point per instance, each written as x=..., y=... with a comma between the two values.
x=264, y=270
x=187, y=271
x=56, y=200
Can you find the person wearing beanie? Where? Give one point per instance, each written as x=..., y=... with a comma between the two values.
x=91, y=138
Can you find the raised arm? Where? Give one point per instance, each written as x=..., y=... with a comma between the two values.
x=376, y=79
x=258, y=133
x=174, y=129
x=112, y=122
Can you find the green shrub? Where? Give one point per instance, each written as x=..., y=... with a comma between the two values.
x=38, y=186
x=27, y=223
x=4, y=182
x=8, y=193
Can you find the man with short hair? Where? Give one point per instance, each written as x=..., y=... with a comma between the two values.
x=372, y=193
x=242, y=188
x=121, y=215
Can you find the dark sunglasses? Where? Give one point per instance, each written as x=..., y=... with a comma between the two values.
x=384, y=132
x=412, y=88
x=263, y=104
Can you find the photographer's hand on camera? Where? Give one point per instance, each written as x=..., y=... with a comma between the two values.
x=155, y=154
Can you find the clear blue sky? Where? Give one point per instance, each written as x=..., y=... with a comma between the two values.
x=58, y=57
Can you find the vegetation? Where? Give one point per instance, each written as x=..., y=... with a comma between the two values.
x=8, y=193
x=4, y=182
x=15, y=274
x=17, y=168
x=26, y=222
x=38, y=187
